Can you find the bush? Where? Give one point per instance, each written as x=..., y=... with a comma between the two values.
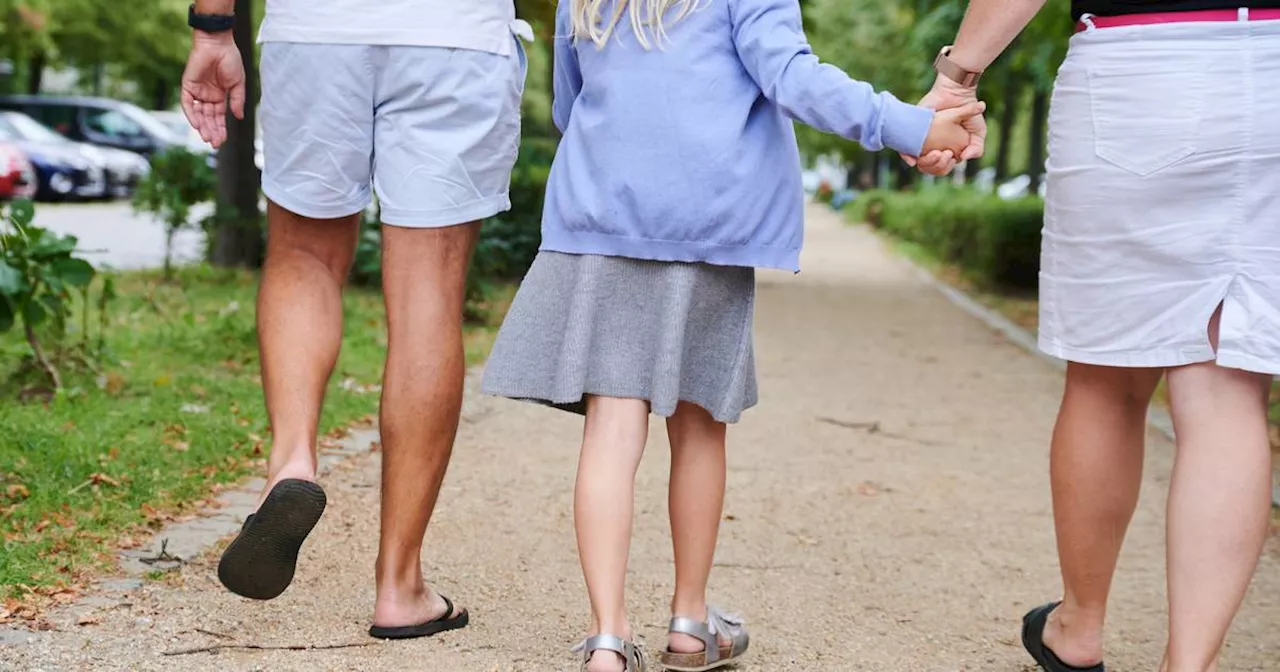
x=38, y=274
x=179, y=179
x=997, y=241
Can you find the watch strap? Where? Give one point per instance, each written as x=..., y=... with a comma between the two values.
x=953, y=71
x=210, y=23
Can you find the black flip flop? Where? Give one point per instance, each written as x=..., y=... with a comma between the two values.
x=1033, y=639
x=435, y=627
x=260, y=563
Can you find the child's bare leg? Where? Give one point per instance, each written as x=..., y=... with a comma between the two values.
x=612, y=444
x=696, y=504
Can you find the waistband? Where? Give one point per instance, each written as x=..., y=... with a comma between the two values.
x=1090, y=22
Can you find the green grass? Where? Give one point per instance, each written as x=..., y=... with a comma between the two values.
x=174, y=411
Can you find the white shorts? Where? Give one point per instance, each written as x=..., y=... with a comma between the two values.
x=1163, y=198
x=435, y=131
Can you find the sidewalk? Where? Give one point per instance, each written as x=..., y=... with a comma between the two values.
x=888, y=511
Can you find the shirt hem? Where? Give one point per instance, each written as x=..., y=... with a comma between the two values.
x=499, y=43
x=752, y=256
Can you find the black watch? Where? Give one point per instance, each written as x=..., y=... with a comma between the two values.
x=210, y=23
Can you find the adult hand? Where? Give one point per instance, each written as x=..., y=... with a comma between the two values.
x=214, y=77
x=947, y=94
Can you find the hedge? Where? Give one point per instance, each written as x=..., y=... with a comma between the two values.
x=996, y=241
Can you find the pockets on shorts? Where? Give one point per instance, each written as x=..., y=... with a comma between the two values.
x=521, y=55
x=1146, y=118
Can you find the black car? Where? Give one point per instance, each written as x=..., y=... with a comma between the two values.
x=99, y=121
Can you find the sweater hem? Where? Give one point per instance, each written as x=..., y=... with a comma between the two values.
x=752, y=256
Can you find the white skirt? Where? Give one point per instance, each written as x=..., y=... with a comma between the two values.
x=1163, y=197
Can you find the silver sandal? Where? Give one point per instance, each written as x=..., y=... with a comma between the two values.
x=714, y=655
x=632, y=655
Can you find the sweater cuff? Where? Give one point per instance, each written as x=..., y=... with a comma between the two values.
x=905, y=127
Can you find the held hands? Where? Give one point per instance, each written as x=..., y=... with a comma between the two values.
x=947, y=95
x=214, y=77
x=951, y=134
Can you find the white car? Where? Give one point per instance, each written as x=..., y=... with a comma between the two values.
x=177, y=122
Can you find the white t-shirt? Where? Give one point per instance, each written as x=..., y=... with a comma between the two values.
x=482, y=25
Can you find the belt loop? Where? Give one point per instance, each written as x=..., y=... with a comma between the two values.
x=1087, y=20
x=1242, y=14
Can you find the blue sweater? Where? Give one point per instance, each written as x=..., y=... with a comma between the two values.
x=687, y=152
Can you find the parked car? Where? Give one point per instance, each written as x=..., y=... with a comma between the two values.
x=122, y=170
x=99, y=121
x=64, y=169
x=17, y=175
x=181, y=128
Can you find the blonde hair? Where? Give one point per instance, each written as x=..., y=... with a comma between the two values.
x=648, y=19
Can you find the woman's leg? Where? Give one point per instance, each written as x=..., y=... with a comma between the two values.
x=612, y=444
x=696, y=502
x=1096, y=472
x=1219, y=503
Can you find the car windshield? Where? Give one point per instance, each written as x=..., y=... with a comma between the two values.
x=148, y=122
x=26, y=128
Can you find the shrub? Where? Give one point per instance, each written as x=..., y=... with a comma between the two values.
x=997, y=241
x=824, y=192
x=38, y=273
x=179, y=179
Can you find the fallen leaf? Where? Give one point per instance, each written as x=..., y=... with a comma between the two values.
x=17, y=491
x=375, y=446
x=868, y=489
x=88, y=619
x=99, y=479
x=162, y=380
x=181, y=446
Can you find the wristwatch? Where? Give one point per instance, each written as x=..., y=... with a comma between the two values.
x=210, y=23
x=951, y=70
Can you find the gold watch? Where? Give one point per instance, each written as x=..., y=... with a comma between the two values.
x=951, y=70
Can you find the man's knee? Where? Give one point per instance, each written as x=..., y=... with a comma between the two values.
x=330, y=242
x=433, y=260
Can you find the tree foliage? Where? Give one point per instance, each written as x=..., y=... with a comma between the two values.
x=146, y=40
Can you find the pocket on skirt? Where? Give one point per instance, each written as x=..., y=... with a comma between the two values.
x=1146, y=118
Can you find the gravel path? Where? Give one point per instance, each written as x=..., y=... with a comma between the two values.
x=888, y=510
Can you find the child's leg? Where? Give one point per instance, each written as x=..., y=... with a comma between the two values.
x=612, y=444
x=696, y=503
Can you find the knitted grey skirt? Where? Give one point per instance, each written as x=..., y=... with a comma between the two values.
x=585, y=325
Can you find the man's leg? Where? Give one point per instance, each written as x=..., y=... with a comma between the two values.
x=300, y=330
x=1096, y=471
x=424, y=278
x=299, y=334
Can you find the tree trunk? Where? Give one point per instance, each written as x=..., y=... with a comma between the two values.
x=99, y=78
x=35, y=73
x=1036, y=154
x=971, y=169
x=1008, y=118
x=906, y=174
x=160, y=95
x=238, y=238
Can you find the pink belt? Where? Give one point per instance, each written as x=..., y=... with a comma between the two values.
x=1214, y=15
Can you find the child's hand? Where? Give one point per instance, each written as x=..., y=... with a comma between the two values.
x=951, y=130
